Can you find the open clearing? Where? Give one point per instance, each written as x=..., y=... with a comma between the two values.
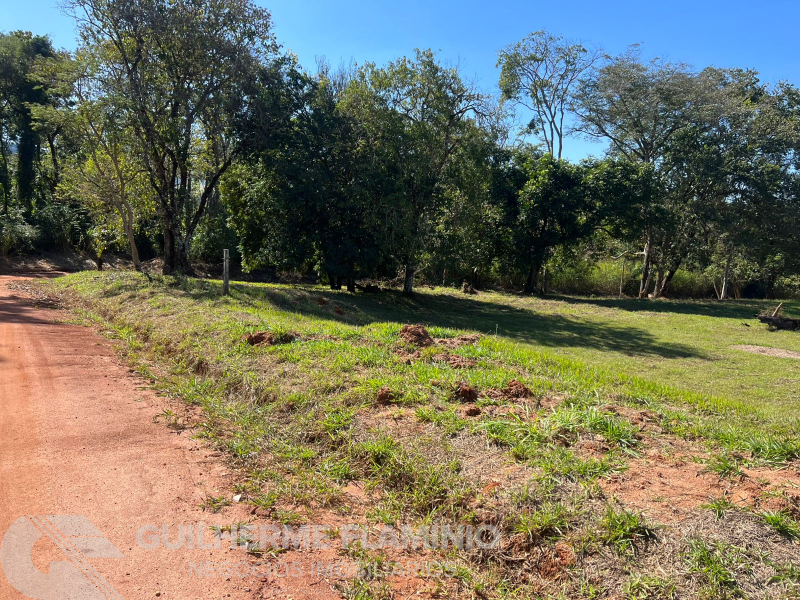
x=622, y=448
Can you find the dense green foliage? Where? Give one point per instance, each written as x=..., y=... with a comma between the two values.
x=181, y=128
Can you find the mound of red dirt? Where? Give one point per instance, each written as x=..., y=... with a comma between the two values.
x=517, y=389
x=471, y=411
x=466, y=393
x=514, y=390
x=416, y=335
x=385, y=396
x=260, y=338
x=266, y=338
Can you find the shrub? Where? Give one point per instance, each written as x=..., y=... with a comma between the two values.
x=16, y=235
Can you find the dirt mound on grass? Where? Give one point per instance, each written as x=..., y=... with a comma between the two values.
x=517, y=389
x=768, y=351
x=267, y=338
x=416, y=335
x=407, y=357
x=466, y=393
x=514, y=390
x=385, y=396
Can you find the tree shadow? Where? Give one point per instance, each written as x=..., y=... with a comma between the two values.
x=731, y=309
x=472, y=313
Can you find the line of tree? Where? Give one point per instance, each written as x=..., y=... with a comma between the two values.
x=179, y=128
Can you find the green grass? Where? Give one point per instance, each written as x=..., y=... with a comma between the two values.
x=303, y=418
x=625, y=530
x=716, y=564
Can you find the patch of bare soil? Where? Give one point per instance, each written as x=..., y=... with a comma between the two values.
x=669, y=490
x=455, y=361
x=646, y=420
x=417, y=335
x=768, y=351
x=458, y=341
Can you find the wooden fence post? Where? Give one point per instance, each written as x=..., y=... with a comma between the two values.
x=226, y=272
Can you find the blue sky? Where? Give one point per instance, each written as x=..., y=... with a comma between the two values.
x=733, y=33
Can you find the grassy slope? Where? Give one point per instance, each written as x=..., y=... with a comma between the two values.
x=682, y=343
x=301, y=418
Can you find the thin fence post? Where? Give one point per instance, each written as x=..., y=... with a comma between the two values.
x=226, y=272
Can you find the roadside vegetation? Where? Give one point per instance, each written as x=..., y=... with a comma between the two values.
x=607, y=479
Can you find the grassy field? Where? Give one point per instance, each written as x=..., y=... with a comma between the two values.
x=537, y=424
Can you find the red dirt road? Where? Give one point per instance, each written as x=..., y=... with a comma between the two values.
x=77, y=437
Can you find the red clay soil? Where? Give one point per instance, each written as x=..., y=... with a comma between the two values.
x=514, y=390
x=669, y=489
x=78, y=437
x=466, y=393
x=416, y=335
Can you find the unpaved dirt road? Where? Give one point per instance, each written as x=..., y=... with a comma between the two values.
x=78, y=437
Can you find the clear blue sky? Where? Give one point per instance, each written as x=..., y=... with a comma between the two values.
x=725, y=33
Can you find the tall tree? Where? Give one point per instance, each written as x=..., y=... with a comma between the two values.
x=105, y=172
x=180, y=71
x=19, y=91
x=415, y=113
x=541, y=73
x=554, y=210
x=640, y=107
x=317, y=215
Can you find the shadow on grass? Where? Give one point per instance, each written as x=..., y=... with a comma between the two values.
x=732, y=309
x=444, y=310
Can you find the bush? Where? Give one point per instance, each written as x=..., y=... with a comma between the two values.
x=16, y=236
x=689, y=284
x=600, y=278
x=62, y=226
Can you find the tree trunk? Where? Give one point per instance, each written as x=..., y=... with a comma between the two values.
x=137, y=264
x=351, y=284
x=646, y=268
x=51, y=142
x=724, y=293
x=659, y=282
x=544, y=280
x=532, y=282
x=5, y=183
x=771, y=281
x=126, y=213
x=663, y=287
x=176, y=259
x=333, y=283
x=408, y=280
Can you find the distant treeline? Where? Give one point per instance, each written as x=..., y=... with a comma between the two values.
x=179, y=128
